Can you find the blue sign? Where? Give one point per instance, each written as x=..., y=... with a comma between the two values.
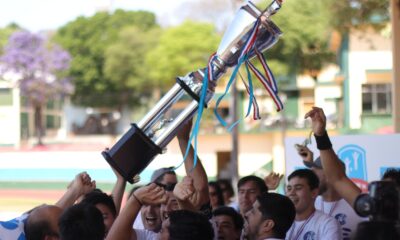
x=355, y=160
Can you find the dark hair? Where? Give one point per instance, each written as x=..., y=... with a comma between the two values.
x=96, y=197
x=186, y=224
x=258, y=181
x=158, y=175
x=278, y=208
x=392, y=174
x=309, y=175
x=226, y=185
x=235, y=216
x=218, y=191
x=82, y=221
x=37, y=230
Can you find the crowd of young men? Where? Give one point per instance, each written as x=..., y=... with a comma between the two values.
x=317, y=204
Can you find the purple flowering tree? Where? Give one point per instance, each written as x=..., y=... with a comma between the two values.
x=40, y=67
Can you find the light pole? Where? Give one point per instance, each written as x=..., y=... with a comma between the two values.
x=395, y=7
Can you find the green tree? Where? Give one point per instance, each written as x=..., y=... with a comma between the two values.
x=304, y=44
x=87, y=39
x=125, y=63
x=5, y=33
x=181, y=50
x=349, y=14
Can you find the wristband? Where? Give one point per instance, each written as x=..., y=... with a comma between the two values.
x=323, y=142
x=137, y=199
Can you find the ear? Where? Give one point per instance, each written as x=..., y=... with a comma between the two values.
x=314, y=193
x=267, y=225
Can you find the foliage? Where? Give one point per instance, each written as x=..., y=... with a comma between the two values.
x=304, y=45
x=348, y=14
x=40, y=68
x=181, y=50
x=125, y=61
x=39, y=65
x=5, y=33
x=308, y=28
x=87, y=39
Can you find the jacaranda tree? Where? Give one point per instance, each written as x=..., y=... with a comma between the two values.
x=40, y=67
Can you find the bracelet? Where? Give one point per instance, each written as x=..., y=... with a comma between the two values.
x=323, y=142
x=137, y=199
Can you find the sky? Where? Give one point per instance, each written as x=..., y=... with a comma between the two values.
x=37, y=15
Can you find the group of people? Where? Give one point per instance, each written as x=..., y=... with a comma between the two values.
x=317, y=204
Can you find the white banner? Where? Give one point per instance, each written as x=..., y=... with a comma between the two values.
x=366, y=157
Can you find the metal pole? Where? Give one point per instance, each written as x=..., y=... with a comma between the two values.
x=235, y=136
x=395, y=7
x=235, y=131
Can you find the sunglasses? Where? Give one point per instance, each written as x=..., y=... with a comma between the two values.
x=167, y=187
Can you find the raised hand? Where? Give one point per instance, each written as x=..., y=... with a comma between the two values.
x=184, y=189
x=82, y=184
x=150, y=195
x=304, y=153
x=272, y=180
x=318, y=120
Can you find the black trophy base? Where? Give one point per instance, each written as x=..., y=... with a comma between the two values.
x=132, y=153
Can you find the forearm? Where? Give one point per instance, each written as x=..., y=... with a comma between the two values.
x=198, y=174
x=118, y=193
x=68, y=199
x=336, y=176
x=122, y=227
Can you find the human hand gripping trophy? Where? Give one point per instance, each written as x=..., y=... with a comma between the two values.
x=148, y=138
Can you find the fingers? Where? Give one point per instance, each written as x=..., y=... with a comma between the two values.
x=151, y=194
x=315, y=112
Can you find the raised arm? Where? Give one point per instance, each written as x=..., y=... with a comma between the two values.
x=198, y=174
x=118, y=191
x=332, y=167
x=81, y=185
x=122, y=227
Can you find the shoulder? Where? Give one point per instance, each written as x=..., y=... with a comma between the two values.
x=13, y=229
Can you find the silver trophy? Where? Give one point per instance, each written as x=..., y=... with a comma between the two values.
x=146, y=139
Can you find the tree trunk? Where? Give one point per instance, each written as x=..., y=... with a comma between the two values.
x=39, y=125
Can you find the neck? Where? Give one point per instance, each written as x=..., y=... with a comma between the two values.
x=330, y=195
x=264, y=236
x=305, y=214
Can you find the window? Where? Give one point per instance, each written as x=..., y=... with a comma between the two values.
x=377, y=98
x=6, y=98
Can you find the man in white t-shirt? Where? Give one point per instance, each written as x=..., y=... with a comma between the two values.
x=329, y=201
x=310, y=224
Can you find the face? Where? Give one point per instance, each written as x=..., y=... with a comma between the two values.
x=213, y=197
x=164, y=233
x=226, y=228
x=322, y=180
x=225, y=193
x=253, y=219
x=151, y=217
x=108, y=217
x=169, y=206
x=301, y=195
x=248, y=193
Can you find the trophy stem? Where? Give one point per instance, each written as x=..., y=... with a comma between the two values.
x=169, y=98
x=166, y=136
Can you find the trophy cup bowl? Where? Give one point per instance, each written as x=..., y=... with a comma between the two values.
x=134, y=151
